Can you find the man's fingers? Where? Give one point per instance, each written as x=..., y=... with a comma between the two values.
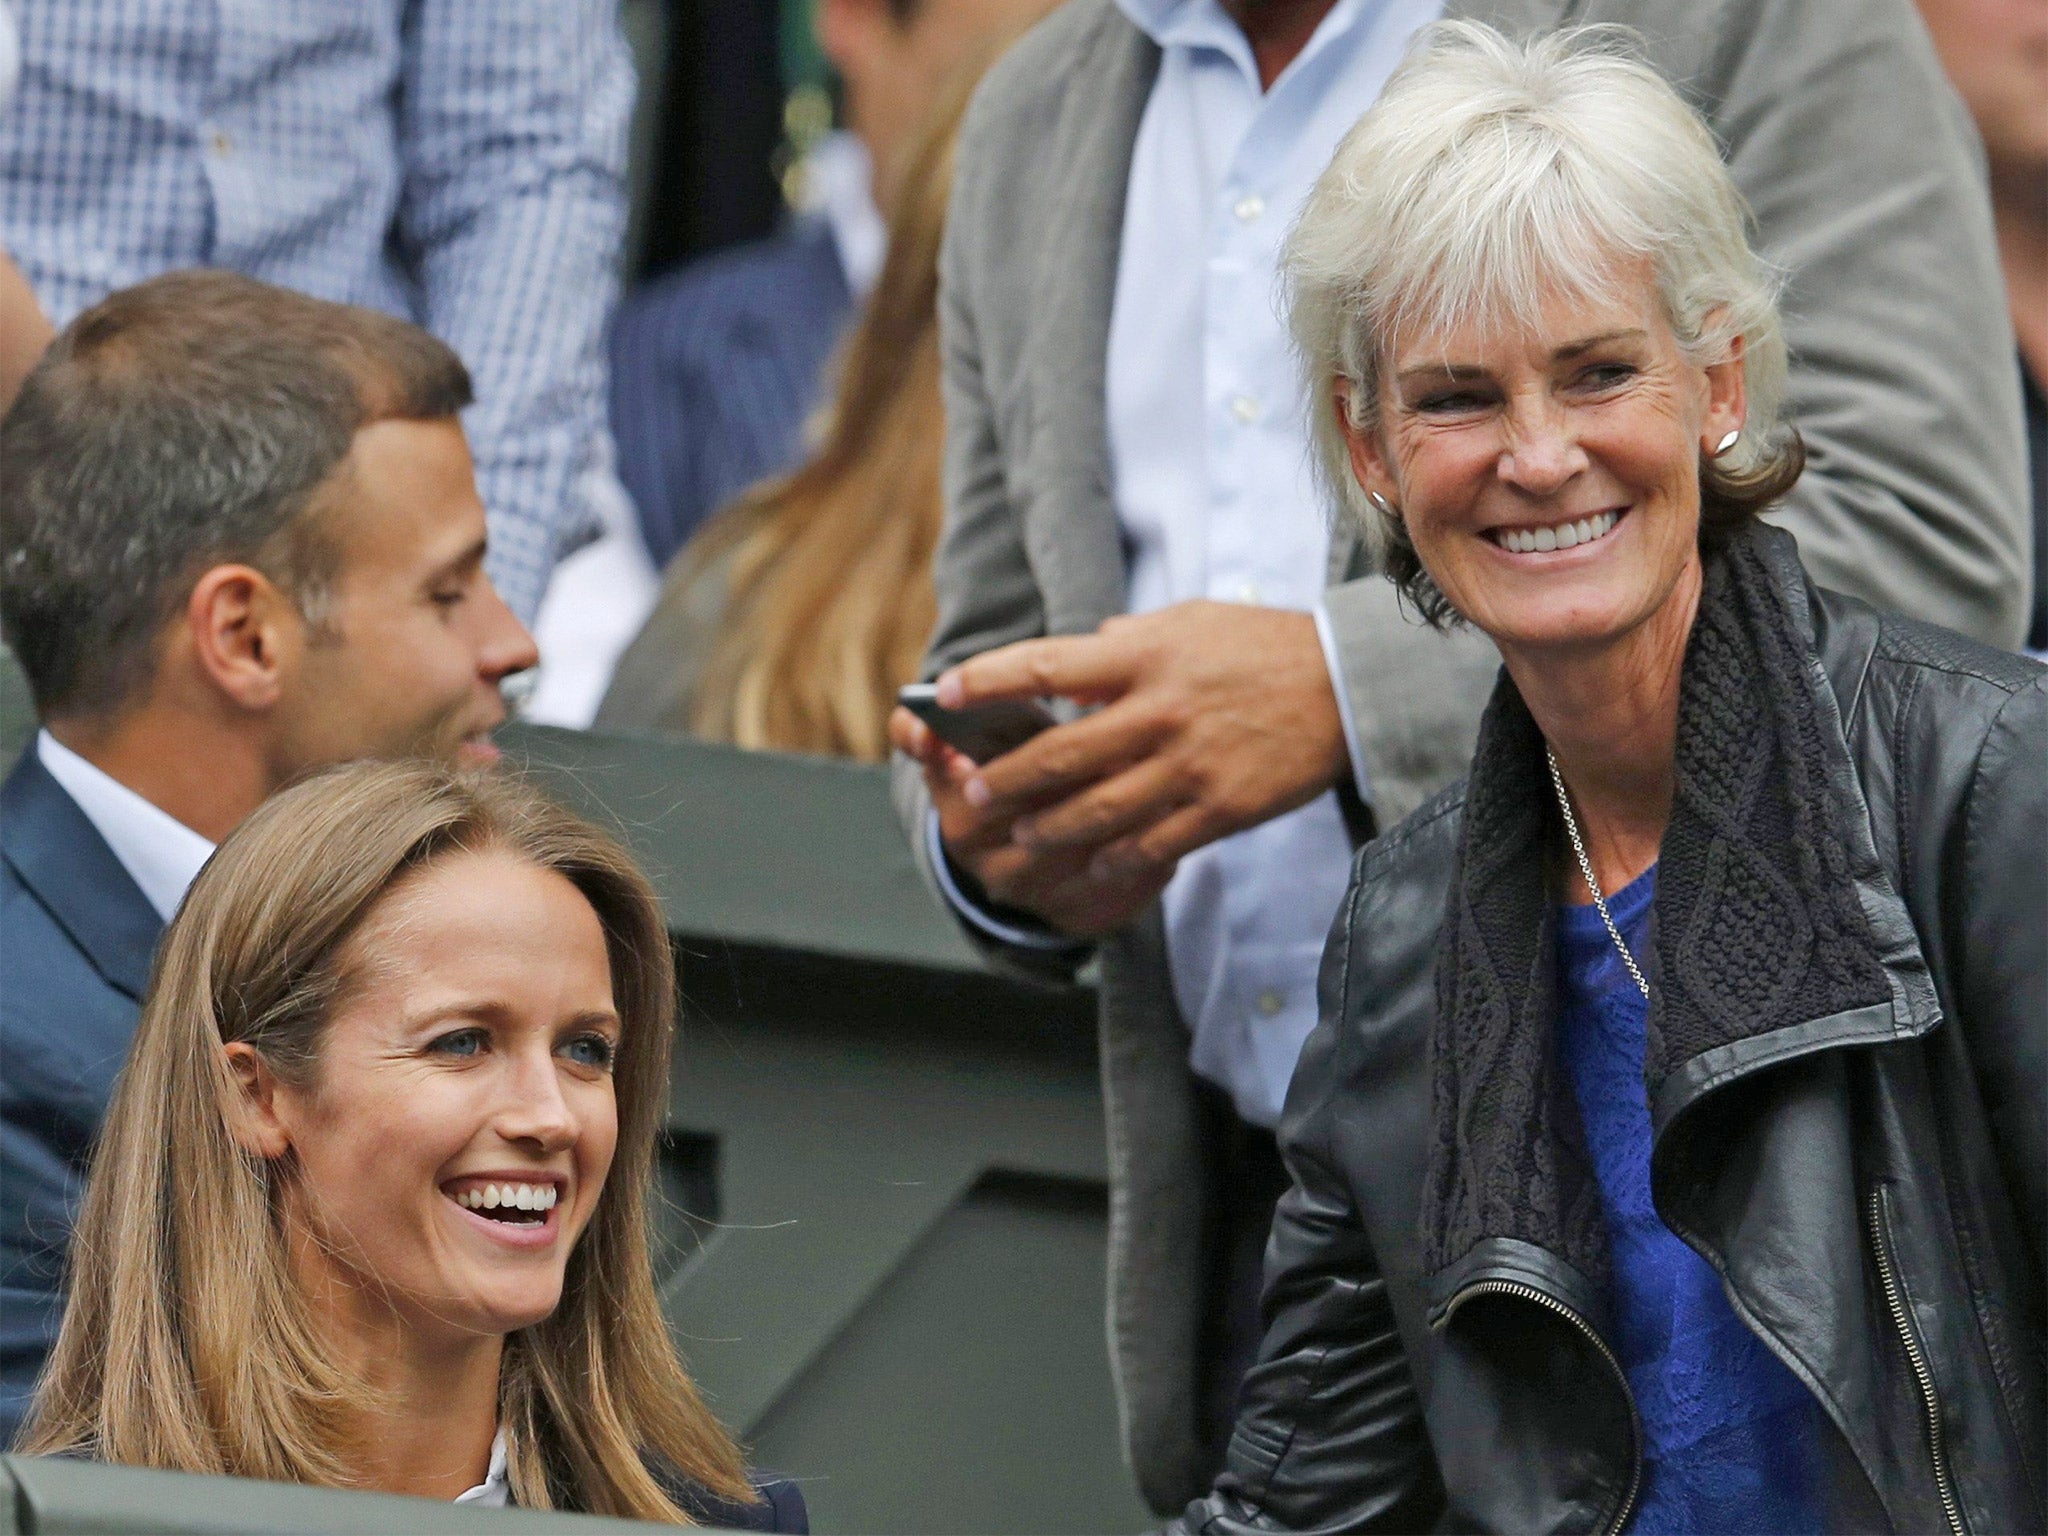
x=1162, y=845
x=1066, y=757
x=1124, y=803
x=909, y=735
x=1070, y=897
x=1087, y=668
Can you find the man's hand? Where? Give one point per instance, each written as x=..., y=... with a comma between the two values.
x=1214, y=717
x=1060, y=888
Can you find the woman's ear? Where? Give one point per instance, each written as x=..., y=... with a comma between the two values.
x=255, y=1124
x=1727, y=398
x=1368, y=464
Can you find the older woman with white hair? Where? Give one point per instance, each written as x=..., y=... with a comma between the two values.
x=1670, y=1155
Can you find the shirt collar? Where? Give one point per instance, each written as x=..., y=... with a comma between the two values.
x=839, y=180
x=495, y=1491
x=162, y=855
x=1205, y=24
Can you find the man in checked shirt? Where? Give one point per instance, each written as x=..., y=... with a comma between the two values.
x=457, y=164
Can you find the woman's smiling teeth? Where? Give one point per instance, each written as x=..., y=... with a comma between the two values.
x=530, y=1202
x=1529, y=541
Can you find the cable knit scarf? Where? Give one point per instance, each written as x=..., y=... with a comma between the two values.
x=1757, y=922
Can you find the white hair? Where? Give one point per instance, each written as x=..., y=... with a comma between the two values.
x=1493, y=175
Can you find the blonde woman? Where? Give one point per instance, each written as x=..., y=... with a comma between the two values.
x=370, y=1207
x=1671, y=1154
x=791, y=620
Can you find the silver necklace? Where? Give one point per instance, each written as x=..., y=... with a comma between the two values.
x=1571, y=827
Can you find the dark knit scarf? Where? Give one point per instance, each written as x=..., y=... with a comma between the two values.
x=1756, y=924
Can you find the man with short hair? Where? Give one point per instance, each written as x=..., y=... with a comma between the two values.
x=240, y=540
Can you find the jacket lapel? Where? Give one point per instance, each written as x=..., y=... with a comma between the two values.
x=60, y=857
x=1075, y=542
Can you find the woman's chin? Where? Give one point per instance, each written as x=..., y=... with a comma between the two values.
x=1557, y=621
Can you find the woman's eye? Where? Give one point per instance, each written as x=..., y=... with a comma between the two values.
x=591, y=1051
x=458, y=1042
x=1451, y=402
x=1607, y=375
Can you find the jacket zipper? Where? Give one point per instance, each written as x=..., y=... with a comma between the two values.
x=1888, y=1279
x=1543, y=1299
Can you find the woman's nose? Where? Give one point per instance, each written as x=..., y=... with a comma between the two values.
x=1542, y=452
x=535, y=1109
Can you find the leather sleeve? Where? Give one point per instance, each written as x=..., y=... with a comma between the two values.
x=2003, y=983
x=1329, y=1434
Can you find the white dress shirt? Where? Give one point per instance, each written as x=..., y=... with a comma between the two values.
x=1210, y=456
x=161, y=854
x=839, y=186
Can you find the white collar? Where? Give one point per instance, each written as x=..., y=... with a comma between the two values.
x=839, y=185
x=1205, y=24
x=494, y=1492
x=162, y=855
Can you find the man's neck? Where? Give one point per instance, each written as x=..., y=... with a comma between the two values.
x=1277, y=30
x=208, y=778
x=2019, y=199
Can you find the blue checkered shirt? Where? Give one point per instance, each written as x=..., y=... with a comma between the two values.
x=458, y=162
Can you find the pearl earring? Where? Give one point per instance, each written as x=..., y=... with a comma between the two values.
x=1727, y=442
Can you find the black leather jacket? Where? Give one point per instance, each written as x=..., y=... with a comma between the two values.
x=1869, y=1182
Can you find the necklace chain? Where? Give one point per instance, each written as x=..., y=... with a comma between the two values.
x=1571, y=827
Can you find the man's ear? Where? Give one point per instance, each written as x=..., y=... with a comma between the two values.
x=1368, y=464
x=246, y=633
x=255, y=1124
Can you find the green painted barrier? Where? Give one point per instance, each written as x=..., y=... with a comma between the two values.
x=53, y=1497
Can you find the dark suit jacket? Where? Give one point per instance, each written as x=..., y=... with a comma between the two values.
x=714, y=370
x=781, y=1506
x=76, y=937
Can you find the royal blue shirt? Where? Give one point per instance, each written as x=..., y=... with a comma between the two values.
x=1730, y=1436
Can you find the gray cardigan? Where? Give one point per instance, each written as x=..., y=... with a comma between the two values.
x=1860, y=166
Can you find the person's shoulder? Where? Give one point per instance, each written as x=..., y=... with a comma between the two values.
x=790, y=279
x=779, y=1505
x=1031, y=80
x=1427, y=837
x=1855, y=636
x=1912, y=645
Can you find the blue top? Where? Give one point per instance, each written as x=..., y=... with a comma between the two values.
x=1730, y=1436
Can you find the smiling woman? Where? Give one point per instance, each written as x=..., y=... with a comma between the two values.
x=1670, y=1153
x=370, y=1208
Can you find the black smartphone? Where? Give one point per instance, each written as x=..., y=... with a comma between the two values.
x=982, y=731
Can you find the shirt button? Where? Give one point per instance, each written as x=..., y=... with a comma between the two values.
x=1270, y=1003
x=1248, y=592
x=220, y=143
x=1245, y=409
x=1248, y=208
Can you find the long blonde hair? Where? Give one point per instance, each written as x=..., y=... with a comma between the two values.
x=829, y=602
x=186, y=1344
